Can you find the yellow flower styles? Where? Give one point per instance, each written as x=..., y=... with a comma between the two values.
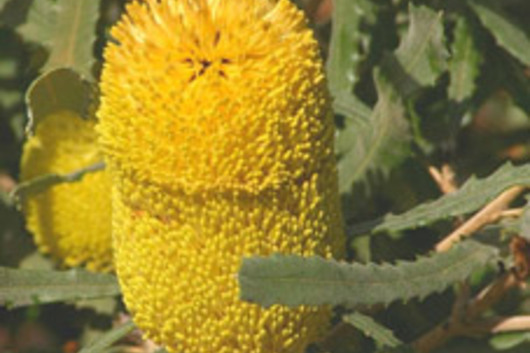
x=216, y=125
x=69, y=221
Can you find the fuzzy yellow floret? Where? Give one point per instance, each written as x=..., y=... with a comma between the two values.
x=69, y=221
x=216, y=125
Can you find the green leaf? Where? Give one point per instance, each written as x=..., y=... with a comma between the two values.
x=507, y=34
x=421, y=56
x=381, y=335
x=43, y=182
x=474, y=194
x=351, y=107
x=508, y=340
x=464, y=63
x=346, y=38
x=524, y=222
x=54, y=91
x=376, y=144
x=293, y=280
x=3, y=3
x=27, y=287
x=109, y=338
x=67, y=28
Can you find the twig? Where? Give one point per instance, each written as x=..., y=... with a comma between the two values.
x=512, y=213
x=445, y=178
x=489, y=214
x=491, y=294
x=7, y=184
x=465, y=327
x=500, y=324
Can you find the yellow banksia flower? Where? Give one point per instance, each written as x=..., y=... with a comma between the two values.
x=216, y=125
x=69, y=221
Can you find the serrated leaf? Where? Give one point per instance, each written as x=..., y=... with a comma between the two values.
x=474, y=194
x=381, y=335
x=54, y=91
x=464, y=63
x=27, y=287
x=379, y=143
x=421, y=56
x=109, y=338
x=507, y=34
x=43, y=182
x=382, y=142
x=346, y=37
x=293, y=280
x=67, y=28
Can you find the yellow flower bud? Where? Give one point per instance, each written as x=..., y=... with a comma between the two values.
x=69, y=221
x=217, y=129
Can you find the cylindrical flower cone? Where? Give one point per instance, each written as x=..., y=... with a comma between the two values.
x=69, y=221
x=216, y=125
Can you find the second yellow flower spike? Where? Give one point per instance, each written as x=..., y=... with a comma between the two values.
x=69, y=221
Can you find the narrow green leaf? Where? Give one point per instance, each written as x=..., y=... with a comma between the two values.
x=67, y=28
x=351, y=107
x=293, y=280
x=43, y=182
x=381, y=335
x=54, y=91
x=464, y=63
x=27, y=287
x=421, y=56
x=507, y=34
x=379, y=143
x=109, y=338
x=346, y=38
x=508, y=340
x=474, y=194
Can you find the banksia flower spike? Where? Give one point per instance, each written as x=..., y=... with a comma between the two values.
x=217, y=130
x=69, y=221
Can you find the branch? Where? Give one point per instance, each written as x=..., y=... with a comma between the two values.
x=445, y=178
x=460, y=324
x=491, y=213
x=500, y=324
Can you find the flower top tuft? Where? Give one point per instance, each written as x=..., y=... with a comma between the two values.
x=215, y=94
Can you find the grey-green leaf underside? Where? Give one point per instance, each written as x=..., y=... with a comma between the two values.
x=27, y=287
x=293, y=280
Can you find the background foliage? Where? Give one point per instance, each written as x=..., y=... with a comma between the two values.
x=415, y=84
